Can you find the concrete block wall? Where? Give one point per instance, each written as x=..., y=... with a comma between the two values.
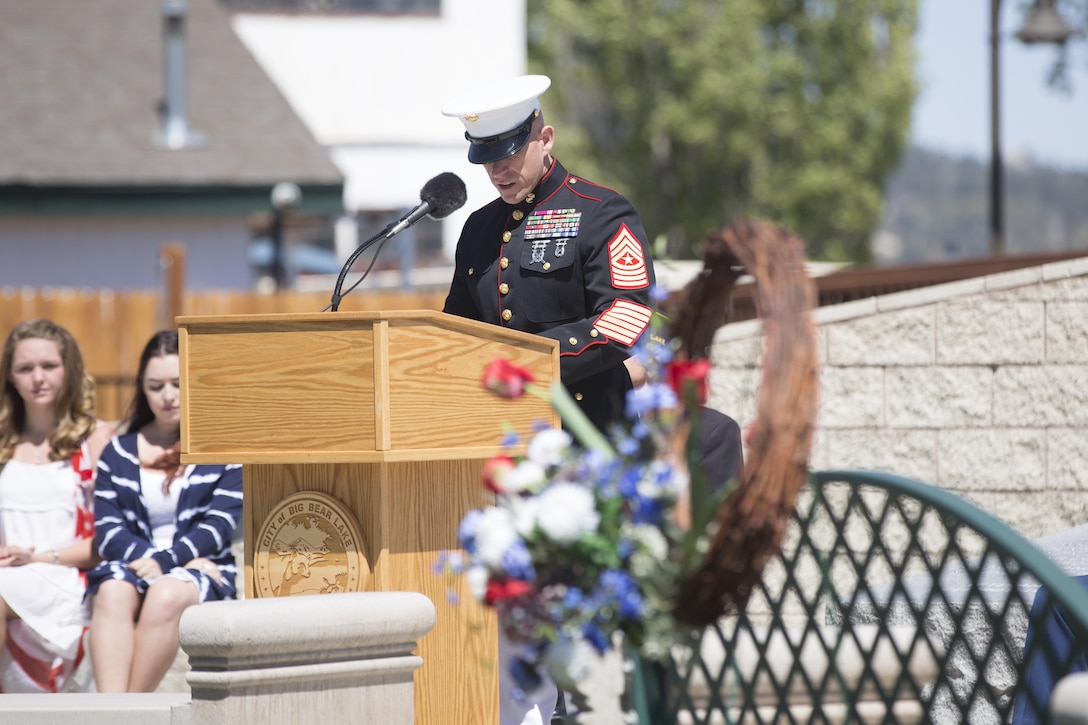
x=978, y=386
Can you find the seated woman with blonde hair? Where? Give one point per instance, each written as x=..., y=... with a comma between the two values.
x=49, y=444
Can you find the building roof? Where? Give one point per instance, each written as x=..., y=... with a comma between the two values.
x=82, y=83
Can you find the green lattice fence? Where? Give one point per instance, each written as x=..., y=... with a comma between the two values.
x=892, y=601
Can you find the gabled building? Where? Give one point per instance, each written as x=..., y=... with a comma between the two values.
x=369, y=78
x=125, y=125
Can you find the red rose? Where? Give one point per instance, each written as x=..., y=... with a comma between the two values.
x=688, y=379
x=505, y=378
x=494, y=471
x=499, y=589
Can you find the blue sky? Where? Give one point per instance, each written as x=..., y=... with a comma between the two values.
x=952, y=112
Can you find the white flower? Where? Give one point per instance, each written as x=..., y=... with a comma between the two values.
x=526, y=511
x=651, y=549
x=523, y=476
x=494, y=536
x=661, y=480
x=567, y=512
x=569, y=661
x=647, y=537
x=476, y=578
x=548, y=446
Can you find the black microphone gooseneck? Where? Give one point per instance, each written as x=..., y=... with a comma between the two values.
x=439, y=197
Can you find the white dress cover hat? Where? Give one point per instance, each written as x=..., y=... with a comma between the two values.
x=499, y=118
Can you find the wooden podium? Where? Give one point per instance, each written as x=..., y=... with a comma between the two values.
x=385, y=413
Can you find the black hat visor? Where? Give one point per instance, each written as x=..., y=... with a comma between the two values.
x=504, y=145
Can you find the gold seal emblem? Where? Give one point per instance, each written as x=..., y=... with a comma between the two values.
x=471, y=118
x=309, y=544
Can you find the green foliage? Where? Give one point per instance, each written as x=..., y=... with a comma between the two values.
x=698, y=110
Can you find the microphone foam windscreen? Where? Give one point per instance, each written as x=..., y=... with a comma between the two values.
x=445, y=194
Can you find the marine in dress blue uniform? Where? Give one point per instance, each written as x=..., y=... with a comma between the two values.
x=564, y=258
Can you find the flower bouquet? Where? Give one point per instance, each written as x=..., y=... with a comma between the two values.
x=592, y=536
x=589, y=535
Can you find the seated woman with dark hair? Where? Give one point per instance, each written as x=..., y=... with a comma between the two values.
x=163, y=529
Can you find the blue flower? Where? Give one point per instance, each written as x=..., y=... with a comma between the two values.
x=452, y=562
x=593, y=465
x=593, y=634
x=628, y=445
x=663, y=355
x=525, y=675
x=572, y=602
x=647, y=510
x=648, y=398
x=654, y=510
x=623, y=592
x=466, y=532
x=517, y=562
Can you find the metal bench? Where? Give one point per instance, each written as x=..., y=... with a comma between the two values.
x=892, y=601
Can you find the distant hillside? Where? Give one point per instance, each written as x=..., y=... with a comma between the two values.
x=937, y=207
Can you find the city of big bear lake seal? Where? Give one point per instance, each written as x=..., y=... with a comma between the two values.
x=309, y=544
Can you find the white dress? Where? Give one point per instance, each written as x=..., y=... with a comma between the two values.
x=38, y=509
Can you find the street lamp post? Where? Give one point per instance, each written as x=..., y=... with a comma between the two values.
x=997, y=165
x=1044, y=25
x=285, y=195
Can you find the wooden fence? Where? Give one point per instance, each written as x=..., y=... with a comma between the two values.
x=112, y=327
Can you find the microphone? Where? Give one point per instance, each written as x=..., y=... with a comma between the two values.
x=439, y=197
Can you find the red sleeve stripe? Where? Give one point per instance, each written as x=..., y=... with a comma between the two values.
x=626, y=261
x=624, y=321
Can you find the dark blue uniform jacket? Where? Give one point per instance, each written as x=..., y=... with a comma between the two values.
x=570, y=262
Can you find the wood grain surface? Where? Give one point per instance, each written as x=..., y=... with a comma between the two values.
x=385, y=412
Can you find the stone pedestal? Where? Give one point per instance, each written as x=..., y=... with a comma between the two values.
x=306, y=659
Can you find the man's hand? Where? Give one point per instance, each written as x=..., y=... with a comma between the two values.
x=636, y=370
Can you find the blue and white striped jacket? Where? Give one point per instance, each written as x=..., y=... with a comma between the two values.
x=209, y=510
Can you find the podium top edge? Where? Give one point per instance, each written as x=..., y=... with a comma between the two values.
x=369, y=315
x=191, y=323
